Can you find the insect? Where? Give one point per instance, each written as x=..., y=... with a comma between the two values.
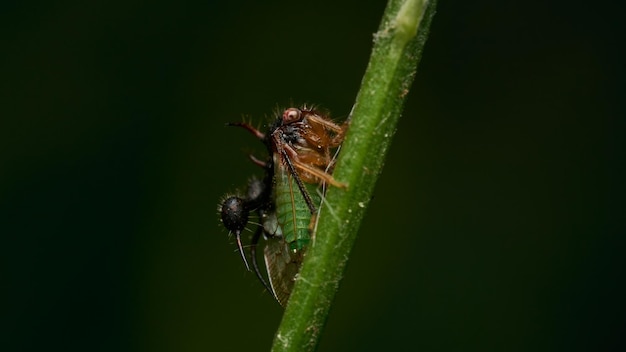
x=235, y=211
x=235, y=214
x=300, y=144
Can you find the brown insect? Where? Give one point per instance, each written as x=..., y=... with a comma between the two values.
x=301, y=144
x=301, y=141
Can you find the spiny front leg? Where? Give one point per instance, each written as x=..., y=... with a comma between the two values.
x=260, y=135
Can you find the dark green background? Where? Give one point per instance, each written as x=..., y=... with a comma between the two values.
x=496, y=225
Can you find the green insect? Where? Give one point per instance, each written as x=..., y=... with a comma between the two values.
x=300, y=144
x=284, y=252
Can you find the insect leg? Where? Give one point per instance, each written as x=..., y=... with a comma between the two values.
x=260, y=135
x=255, y=265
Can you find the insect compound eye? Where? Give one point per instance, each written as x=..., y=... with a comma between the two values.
x=234, y=214
x=291, y=115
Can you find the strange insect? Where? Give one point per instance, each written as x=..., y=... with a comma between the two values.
x=301, y=144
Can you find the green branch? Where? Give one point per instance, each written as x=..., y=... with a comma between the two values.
x=397, y=50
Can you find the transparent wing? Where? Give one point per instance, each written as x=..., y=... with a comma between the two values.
x=282, y=267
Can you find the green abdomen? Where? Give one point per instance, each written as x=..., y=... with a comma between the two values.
x=292, y=211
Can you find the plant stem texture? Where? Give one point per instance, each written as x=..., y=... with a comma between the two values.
x=397, y=49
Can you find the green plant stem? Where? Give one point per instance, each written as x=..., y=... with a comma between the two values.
x=397, y=50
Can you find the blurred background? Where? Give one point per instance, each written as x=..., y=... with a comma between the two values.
x=497, y=223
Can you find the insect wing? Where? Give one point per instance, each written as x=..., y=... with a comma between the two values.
x=282, y=266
